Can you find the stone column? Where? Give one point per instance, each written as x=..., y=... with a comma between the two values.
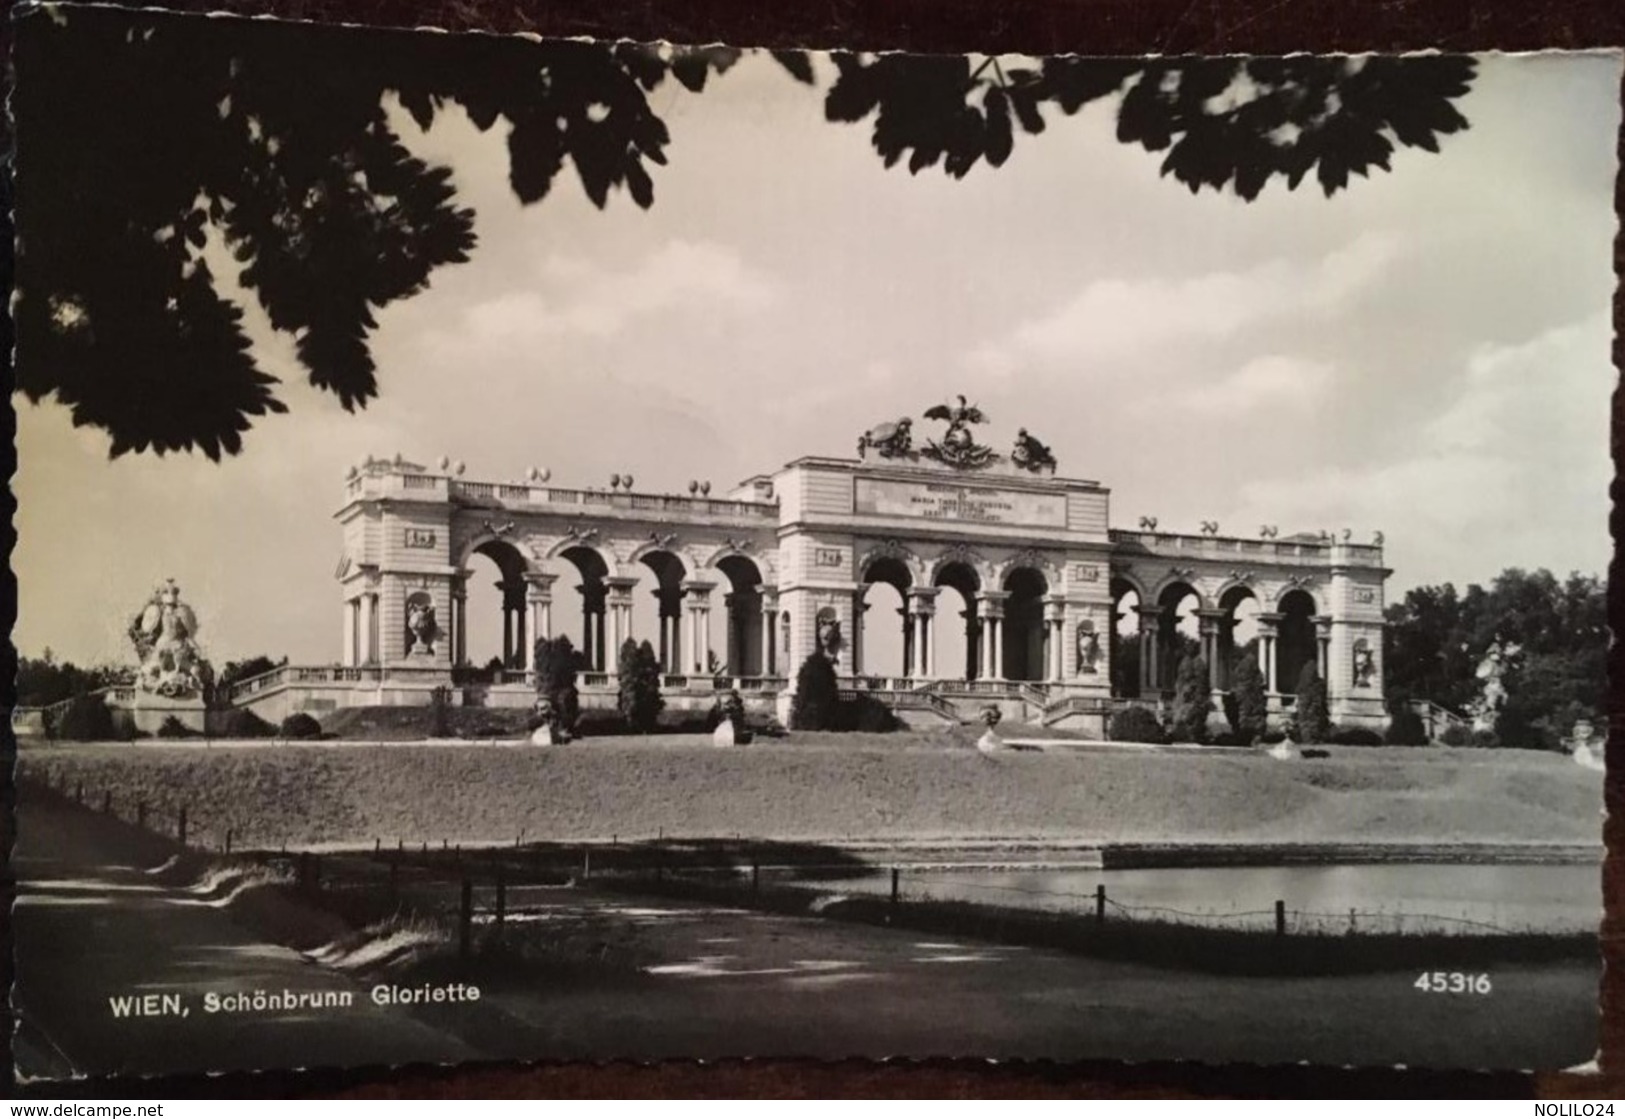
x=364, y=654
x=1057, y=644
x=459, y=621
x=697, y=596
x=1150, y=639
x=1267, y=631
x=539, y=600
x=1323, y=643
x=990, y=609
x=1211, y=622
x=347, y=637
x=922, y=607
x=768, y=600
x=859, y=609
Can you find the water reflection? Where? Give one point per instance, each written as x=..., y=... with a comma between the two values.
x=1405, y=897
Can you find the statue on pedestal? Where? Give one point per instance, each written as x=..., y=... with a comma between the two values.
x=164, y=635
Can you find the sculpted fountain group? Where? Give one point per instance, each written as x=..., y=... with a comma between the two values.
x=957, y=447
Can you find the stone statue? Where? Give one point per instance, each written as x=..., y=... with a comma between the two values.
x=829, y=637
x=1088, y=649
x=1491, y=670
x=164, y=635
x=1030, y=454
x=421, y=627
x=958, y=447
x=893, y=440
x=1365, y=664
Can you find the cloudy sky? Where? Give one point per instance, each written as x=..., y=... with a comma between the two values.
x=1425, y=354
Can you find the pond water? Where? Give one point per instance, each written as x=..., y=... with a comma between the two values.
x=1388, y=897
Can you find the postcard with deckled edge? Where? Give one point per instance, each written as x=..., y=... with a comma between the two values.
x=583, y=550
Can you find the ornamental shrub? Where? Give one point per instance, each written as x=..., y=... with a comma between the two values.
x=817, y=700
x=557, y=663
x=243, y=723
x=1192, y=702
x=172, y=727
x=86, y=719
x=1457, y=734
x=638, y=696
x=1135, y=723
x=1251, y=703
x=1310, y=717
x=301, y=725
x=1405, y=727
x=1363, y=736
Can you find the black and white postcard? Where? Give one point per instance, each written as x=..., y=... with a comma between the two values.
x=565, y=549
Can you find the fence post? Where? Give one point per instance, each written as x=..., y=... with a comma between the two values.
x=502, y=898
x=465, y=921
x=141, y=814
x=1100, y=904
x=1280, y=918
x=107, y=803
x=228, y=840
x=586, y=863
x=895, y=892
x=180, y=827
x=755, y=875
x=79, y=792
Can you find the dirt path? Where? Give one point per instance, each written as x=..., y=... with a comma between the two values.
x=93, y=924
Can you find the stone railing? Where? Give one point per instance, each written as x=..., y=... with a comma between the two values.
x=384, y=479
x=1234, y=547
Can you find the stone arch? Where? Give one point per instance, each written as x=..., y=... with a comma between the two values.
x=656, y=598
x=1296, y=643
x=594, y=570
x=524, y=547
x=1125, y=641
x=1289, y=589
x=1236, y=627
x=1027, y=558
x=962, y=574
x=1026, y=634
x=893, y=551
x=1174, y=640
x=589, y=543
x=874, y=652
x=748, y=630
x=958, y=557
x=473, y=600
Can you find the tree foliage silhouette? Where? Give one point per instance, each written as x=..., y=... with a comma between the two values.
x=148, y=137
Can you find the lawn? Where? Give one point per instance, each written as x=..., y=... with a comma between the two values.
x=906, y=786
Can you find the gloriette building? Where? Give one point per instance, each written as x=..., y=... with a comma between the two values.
x=1008, y=585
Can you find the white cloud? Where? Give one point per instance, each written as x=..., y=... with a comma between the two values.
x=1514, y=472
x=574, y=296
x=1112, y=320
x=1271, y=381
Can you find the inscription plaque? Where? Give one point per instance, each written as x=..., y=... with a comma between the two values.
x=946, y=501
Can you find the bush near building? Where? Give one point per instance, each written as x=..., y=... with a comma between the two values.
x=1135, y=723
x=1192, y=702
x=172, y=727
x=86, y=719
x=243, y=723
x=301, y=725
x=816, y=705
x=638, y=698
x=557, y=664
x=1405, y=726
x=1249, y=702
x=1311, y=719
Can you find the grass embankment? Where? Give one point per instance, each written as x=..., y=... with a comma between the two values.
x=897, y=787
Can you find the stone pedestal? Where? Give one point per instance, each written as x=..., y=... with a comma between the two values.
x=149, y=712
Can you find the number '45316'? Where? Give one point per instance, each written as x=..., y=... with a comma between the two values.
x=1452, y=983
